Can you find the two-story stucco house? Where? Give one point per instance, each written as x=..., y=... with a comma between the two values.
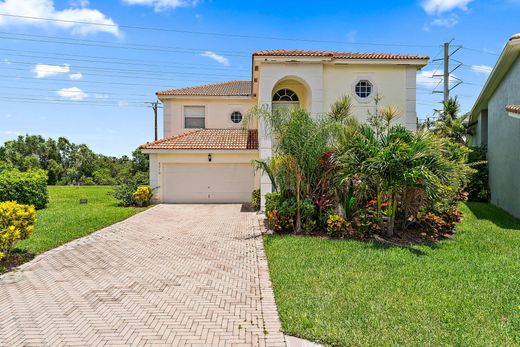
x=495, y=122
x=206, y=154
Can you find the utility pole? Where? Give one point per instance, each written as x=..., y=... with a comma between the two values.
x=447, y=75
x=155, y=106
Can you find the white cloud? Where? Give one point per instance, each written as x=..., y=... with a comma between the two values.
x=427, y=79
x=100, y=96
x=73, y=93
x=79, y=3
x=446, y=22
x=438, y=7
x=76, y=76
x=5, y=61
x=44, y=70
x=163, y=5
x=122, y=103
x=484, y=69
x=216, y=57
x=46, y=9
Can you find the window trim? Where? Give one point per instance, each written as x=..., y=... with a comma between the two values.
x=369, y=98
x=184, y=116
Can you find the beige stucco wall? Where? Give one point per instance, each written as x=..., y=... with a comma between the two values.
x=389, y=81
x=157, y=161
x=218, y=112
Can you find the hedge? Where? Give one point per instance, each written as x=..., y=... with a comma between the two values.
x=28, y=188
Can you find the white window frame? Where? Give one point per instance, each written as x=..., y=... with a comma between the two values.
x=369, y=98
x=193, y=106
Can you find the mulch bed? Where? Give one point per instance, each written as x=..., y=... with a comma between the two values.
x=401, y=237
x=14, y=260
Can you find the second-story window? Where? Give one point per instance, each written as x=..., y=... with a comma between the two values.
x=194, y=117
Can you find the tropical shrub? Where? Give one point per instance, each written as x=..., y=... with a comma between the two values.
x=16, y=223
x=330, y=172
x=255, y=199
x=143, y=195
x=478, y=185
x=272, y=201
x=337, y=225
x=24, y=187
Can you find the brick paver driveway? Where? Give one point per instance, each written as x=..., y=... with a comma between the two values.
x=173, y=275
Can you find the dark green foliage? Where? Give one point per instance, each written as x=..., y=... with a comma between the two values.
x=255, y=199
x=125, y=191
x=67, y=163
x=28, y=187
x=272, y=201
x=478, y=186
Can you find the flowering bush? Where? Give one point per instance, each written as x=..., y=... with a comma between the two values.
x=143, y=195
x=16, y=223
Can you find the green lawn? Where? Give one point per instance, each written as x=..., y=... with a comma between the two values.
x=65, y=219
x=459, y=292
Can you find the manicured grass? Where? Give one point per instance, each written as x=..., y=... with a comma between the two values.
x=65, y=219
x=460, y=292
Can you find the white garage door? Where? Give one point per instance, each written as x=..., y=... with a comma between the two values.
x=207, y=183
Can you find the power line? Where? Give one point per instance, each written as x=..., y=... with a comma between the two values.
x=102, y=82
x=136, y=73
x=67, y=102
x=242, y=36
x=109, y=46
x=128, y=44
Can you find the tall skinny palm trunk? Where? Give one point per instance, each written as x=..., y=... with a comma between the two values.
x=392, y=209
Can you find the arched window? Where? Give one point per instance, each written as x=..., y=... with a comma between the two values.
x=286, y=95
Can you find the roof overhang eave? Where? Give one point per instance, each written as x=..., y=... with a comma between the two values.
x=197, y=151
x=503, y=64
x=178, y=96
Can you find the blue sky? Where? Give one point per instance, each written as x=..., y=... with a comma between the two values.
x=90, y=83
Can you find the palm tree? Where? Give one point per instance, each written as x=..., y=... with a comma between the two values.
x=388, y=164
x=450, y=123
x=299, y=142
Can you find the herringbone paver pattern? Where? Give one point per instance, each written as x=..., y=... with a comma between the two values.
x=174, y=275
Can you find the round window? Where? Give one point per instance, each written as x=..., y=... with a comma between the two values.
x=236, y=117
x=363, y=89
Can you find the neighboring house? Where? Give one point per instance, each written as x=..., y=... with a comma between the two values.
x=206, y=154
x=495, y=122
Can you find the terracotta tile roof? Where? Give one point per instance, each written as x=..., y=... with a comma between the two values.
x=514, y=37
x=513, y=108
x=336, y=55
x=231, y=88
x=232, y=139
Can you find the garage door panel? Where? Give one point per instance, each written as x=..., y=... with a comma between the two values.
x=207, y=183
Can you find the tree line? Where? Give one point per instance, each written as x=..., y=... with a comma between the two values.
x=68, y=163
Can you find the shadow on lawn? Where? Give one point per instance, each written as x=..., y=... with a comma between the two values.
x=417, y=250
x=494, y=214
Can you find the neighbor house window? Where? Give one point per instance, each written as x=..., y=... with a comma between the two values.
x=194, y=117
x=363, y=89
x=236, y=117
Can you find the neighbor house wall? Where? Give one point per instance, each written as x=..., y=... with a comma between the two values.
x=218, y=112
x=504, y=144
